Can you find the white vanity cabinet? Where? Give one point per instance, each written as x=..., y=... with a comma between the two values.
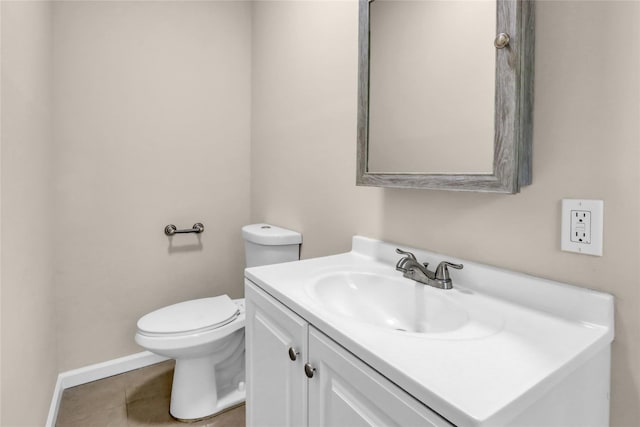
x=336, y=389
x=500, y=349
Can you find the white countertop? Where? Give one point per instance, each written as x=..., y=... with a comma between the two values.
x=545, y=330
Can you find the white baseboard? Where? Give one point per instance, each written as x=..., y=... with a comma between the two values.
x=95, y=372
x=55, y=403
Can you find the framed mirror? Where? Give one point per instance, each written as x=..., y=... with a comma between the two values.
x=445, y=94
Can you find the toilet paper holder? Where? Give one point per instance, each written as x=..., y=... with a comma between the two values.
x=171, y=229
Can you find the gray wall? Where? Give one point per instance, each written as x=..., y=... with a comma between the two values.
x=117, y=119
x=151, y=125
x=587, y=128
x=29, y=364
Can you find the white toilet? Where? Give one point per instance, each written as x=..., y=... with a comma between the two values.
x=206, y=336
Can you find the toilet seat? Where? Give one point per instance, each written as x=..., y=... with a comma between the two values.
x=189, y=317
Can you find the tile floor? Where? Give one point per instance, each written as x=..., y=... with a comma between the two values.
x=133, y=399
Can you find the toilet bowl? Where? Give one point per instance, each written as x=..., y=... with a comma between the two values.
x=206, y=336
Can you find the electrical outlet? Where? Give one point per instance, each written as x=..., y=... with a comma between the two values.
x=580, y=230
x=582, y=226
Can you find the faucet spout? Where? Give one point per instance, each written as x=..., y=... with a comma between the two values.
x=417, y=270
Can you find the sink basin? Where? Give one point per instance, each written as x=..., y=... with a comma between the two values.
x=402, y=305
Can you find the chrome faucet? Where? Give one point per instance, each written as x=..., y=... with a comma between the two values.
x=412, y=269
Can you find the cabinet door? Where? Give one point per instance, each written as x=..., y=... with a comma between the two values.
x=276, y=385
x=344, y=391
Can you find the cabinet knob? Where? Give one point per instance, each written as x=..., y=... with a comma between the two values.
x=501, y=41
x=293, y=355
x=309, y=370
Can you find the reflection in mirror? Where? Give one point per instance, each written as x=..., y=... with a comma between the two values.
x=431, y=86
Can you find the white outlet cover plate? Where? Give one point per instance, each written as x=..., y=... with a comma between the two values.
x=596, y=208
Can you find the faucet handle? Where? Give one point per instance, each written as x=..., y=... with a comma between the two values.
x=442, y=272
x=407, y=256
x=406, y=253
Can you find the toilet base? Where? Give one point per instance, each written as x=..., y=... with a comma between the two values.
x=194, y=394
x=226, y=408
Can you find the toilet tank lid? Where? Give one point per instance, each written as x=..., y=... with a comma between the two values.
x=265, y=234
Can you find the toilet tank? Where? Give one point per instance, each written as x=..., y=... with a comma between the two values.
x=267, y=244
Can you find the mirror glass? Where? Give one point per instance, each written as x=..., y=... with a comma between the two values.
x=432, y=68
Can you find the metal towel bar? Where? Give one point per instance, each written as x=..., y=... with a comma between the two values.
x=171, y=229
